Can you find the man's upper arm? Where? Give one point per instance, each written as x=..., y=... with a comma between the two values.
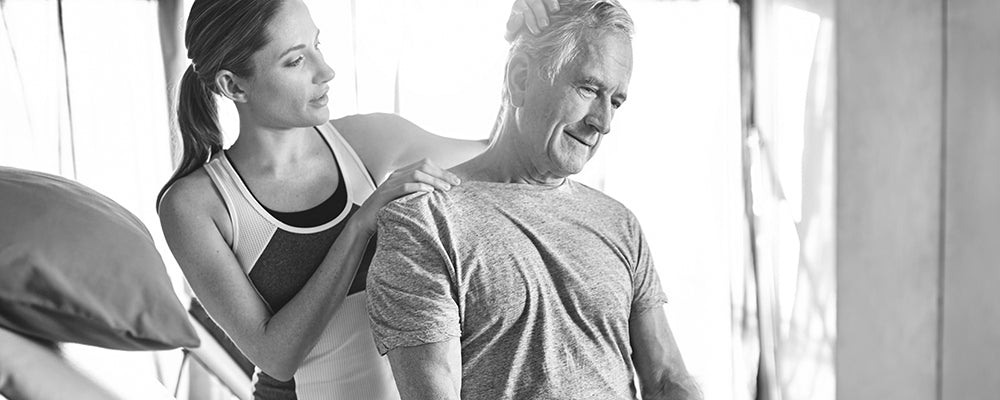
x=647, y=290
x=658, y=362
x=412, y=299
x=412, y=302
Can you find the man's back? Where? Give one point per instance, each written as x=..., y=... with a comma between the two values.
x=538, y=283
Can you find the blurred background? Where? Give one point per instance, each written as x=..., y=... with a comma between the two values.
x=816, y=177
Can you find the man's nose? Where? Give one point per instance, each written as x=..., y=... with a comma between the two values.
x=599, y=117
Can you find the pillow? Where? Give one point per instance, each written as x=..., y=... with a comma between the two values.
x=77, y=267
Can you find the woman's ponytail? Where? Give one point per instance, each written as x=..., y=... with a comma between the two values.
x=220, y=35
x=198, y=120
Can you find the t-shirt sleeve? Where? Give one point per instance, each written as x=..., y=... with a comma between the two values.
x=411, y=296
x=647, y=292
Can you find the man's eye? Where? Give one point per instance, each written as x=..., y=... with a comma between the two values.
x=616, y=104
x=317, y=45
x=588, y=90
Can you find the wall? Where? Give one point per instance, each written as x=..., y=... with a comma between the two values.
x=889, y=197
x=971, y=336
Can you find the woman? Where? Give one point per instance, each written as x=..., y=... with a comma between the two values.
x=273, y=233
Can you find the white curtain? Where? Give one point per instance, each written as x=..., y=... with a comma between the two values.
x=794, y=193
x=82, y=96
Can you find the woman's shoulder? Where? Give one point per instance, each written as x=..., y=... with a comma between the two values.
x=193, y=199
x=191, y=193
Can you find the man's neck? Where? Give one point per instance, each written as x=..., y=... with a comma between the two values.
x=503, y=163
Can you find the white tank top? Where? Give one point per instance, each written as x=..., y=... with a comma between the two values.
x=278, y=258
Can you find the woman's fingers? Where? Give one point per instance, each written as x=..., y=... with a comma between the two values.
x=430, y=168
x=553, y=5
x=439, y=173
x=531, y=14
x=420, y=176
x=412, y=187
x=539, y=15
x=425, y=177
x=513, y=25
x=529, y=20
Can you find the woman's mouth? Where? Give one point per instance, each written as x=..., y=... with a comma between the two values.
x=321, y=100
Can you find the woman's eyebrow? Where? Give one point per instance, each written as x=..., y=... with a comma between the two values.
x=296, y=47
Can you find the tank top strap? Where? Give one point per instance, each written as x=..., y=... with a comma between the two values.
x=251, y=231
x=351, y=163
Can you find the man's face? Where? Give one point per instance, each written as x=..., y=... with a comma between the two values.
x=562, y=123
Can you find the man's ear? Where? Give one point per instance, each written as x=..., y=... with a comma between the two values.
x=230, y=86
x=517, y=79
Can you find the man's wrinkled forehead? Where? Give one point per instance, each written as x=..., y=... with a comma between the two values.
x=604, y=60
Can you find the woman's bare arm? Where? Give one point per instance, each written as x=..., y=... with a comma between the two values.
x=386, y=142
x=277, y=343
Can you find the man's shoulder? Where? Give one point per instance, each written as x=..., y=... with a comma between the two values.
x=612, y=207
x=419, y=207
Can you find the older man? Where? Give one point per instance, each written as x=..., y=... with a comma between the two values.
x=521, y=283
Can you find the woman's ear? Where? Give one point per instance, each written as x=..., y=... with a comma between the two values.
x=517, y=82
x=230, y=86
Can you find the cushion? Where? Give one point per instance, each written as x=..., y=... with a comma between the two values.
x=77, y=267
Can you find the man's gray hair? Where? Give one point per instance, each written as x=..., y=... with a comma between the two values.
x=569, y=29
x=564, y=39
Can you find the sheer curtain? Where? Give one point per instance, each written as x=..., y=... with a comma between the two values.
x=82, y=96
x=793, y=190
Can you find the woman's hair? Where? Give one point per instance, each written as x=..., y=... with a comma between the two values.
x=220, y=35
x=563, y=40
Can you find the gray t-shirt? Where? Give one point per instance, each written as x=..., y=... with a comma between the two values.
x=538, y=283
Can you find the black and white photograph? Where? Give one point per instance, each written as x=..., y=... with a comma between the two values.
x=499, y=199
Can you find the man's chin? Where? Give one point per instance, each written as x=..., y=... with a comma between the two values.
x=570, y=169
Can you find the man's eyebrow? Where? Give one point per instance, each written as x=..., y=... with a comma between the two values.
x=296, y=47
x=594, y=81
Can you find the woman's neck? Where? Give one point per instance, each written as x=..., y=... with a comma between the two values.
x=273, y=152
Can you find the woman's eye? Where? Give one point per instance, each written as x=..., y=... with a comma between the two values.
x=296, y=61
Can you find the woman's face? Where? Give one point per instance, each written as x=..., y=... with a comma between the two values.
x=290, y=81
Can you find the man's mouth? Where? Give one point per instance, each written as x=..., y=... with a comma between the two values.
x=583, y=142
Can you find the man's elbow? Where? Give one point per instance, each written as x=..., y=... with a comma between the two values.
x=673, y=388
